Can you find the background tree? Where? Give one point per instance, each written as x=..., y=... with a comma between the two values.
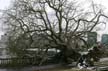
x=50, y=24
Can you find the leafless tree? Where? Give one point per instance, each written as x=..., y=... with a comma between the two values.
x=51, y=23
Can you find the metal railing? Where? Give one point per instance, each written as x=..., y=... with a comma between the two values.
x=18, y=61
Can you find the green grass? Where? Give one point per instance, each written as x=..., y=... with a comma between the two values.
x=65, y=69
x=100, y=64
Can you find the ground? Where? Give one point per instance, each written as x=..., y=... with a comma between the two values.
x=99, y=64
x=65, y=69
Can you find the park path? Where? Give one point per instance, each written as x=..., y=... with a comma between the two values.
x=104, y=59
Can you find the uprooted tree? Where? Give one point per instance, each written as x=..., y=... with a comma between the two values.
x=45, y=24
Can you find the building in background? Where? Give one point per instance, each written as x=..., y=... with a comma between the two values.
x=91, y=38
x=3, y=50
x=104, y=39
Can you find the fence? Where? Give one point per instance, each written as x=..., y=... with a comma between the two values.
x=18, y=61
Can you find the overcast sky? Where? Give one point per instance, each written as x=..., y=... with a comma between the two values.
x=4, y=4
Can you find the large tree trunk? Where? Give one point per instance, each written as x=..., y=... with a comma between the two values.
x=68, y=55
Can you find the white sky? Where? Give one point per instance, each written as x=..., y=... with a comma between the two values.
x=5, y=4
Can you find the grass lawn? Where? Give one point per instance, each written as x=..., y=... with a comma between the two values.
x=62, y=69
x=65, y=69
x=99, y=64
